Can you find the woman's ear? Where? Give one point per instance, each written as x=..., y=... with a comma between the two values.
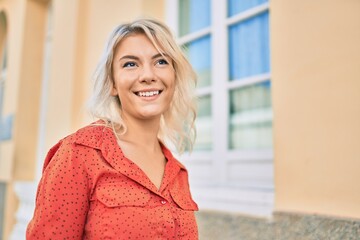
x=113, y=91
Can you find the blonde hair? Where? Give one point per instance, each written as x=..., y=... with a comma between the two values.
x=177, y=123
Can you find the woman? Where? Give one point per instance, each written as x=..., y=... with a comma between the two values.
x=116, y=179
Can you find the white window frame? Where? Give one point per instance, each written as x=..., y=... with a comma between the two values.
x=209, y=171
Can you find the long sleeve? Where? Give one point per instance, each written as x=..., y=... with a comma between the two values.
x=62, y=199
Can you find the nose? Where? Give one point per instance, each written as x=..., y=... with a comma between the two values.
x=147, y=74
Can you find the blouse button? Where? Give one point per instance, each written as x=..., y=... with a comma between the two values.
x=163, y=202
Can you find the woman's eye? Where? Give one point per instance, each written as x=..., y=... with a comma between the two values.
x=129, y=64
x=162, y=62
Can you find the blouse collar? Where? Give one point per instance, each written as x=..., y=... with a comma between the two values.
x=101, y=137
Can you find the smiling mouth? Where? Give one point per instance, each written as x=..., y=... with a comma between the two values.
x=148, y=93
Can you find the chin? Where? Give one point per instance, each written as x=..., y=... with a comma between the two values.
x=151, y=112
x=150, y=115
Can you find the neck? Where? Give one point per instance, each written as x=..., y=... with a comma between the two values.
x=142, y=133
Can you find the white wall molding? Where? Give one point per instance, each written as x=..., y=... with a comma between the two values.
x=26, y=192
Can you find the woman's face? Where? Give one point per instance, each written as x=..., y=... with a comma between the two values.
x=144, y=80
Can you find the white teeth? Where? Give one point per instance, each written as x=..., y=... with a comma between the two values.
x=148, y=94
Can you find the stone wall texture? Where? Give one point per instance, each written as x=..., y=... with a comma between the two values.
x=281, y=226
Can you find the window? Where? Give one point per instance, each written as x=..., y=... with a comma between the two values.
x=250, y=124
x=227, y=43
x=195, y=27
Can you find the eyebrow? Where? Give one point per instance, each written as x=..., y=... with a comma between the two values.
x=137, y=58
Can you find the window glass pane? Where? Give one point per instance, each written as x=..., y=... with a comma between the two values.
x=194, y=15
x=251, y=117
x=199, y=55
x=237, y=6
x=204, y=124
x=249, y=51
x=6, y=126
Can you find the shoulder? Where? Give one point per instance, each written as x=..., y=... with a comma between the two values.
x=86, y=138
x=91, y=135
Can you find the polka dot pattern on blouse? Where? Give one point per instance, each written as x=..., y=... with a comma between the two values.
x=90, y=190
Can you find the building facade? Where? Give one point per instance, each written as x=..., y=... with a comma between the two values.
x=278, y=146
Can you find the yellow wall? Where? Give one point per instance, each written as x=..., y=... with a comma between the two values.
x=315, y=49
x=15, y=12
x=28, y=92
x=11, y=9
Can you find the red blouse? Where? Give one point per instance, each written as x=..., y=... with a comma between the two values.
x=90, y=190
